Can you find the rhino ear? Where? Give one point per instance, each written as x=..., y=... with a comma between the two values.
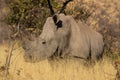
x=55, y=18
x=64, y=5
x=59, y=24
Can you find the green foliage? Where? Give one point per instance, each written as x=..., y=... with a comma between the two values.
x=30, y=15
x=111, y=55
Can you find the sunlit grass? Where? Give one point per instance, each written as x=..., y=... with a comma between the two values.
x=69, y=69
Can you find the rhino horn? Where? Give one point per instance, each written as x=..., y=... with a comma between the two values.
x=64, y=5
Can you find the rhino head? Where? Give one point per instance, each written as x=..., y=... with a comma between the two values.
x=54, y=37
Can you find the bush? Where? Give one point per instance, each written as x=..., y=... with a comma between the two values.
x=27, y=16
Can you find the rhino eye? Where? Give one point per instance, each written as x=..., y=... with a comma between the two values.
x=44, y=42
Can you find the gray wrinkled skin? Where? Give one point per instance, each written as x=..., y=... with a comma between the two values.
x=73, y=39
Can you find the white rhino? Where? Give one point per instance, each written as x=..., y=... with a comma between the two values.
x=63, y=35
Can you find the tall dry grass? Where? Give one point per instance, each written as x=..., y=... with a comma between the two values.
x=69, y=69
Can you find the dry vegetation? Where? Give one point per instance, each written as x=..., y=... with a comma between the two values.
x=105, y=19
x=69, y=69
x=117, y=67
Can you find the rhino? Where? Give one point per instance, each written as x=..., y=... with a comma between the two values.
x=64, y=36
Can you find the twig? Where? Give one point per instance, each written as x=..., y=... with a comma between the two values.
x=8, y=59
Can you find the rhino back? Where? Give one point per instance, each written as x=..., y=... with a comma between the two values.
x=78, y=41
x=95, y=39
